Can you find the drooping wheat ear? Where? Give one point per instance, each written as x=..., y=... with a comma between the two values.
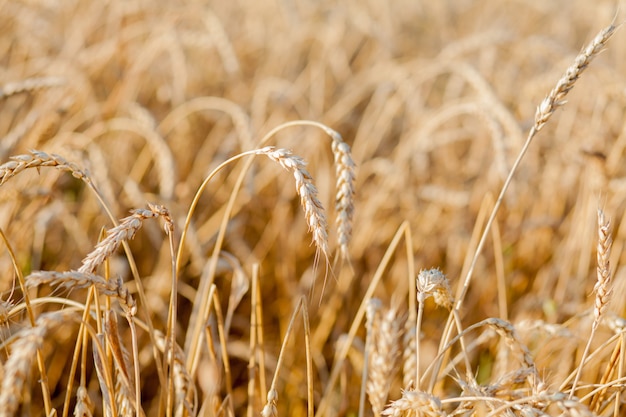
x=383, y=358
x=344, y=199
x=270, y=410
x=508, y=332
x=433, y=283
x=183, y=384
x=78, y=279
x=36, y=159
x=84, y=406
x=313, y=209
x=124, y=231
x=603, y=286
x=556, y=97
x=18, y=365
x=29, y=84
x=415, y=403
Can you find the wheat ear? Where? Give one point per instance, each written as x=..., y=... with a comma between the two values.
x=29, y=84
x=77, y=279
x=602, y=288
x=415, y=403
x=18, y=365
x=313, y=209
x=383, y=358
x=126, y=230
x=344, y=198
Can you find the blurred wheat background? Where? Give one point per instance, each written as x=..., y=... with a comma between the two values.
x=141, y=100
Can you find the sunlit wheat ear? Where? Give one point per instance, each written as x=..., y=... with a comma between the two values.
x=38, y=159
x=415, y=403
x=383, y=357
x=186, y=394
x=556, y=97
x=18, y=366
x=126, y=230
x=77, y=279
x=29, y=84
x=344, y=199
x=433, y=283
x=84, y=406
x=603, y=286
x=270, y=410
x=313, y=209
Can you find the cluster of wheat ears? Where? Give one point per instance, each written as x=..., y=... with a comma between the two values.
x=209, y=298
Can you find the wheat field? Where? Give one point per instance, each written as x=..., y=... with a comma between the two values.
x=312, y=208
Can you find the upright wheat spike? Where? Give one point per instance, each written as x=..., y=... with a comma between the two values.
x=17, y=367
x=383, y=358
x=344, y=199
x=602, y=288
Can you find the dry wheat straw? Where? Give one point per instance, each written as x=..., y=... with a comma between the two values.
x=18, y=365
x=78, y=279
x=29, y=85
x=126, y=230
x=313, y=209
